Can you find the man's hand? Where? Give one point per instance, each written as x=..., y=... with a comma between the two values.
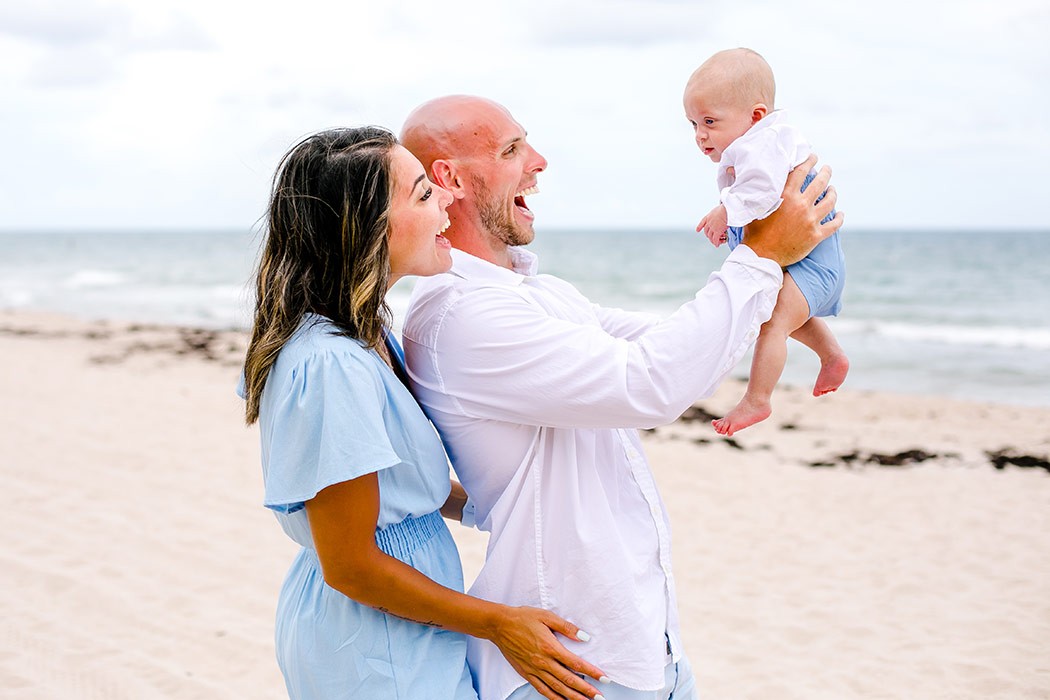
x=788, y=234
x=714, y=225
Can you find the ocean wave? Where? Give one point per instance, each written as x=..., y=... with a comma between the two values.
x=94, y=278
x=15, y=298
x=994, y=336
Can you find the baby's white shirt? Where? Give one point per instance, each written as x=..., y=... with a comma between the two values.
x=761, y=160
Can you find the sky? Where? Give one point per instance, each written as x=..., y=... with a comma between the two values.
x=122, y=114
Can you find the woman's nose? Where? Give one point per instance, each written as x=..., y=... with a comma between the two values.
x=445, y=196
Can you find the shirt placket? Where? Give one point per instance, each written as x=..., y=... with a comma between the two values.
x=643, y=476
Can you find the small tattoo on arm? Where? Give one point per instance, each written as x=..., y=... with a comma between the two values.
x=429, y=623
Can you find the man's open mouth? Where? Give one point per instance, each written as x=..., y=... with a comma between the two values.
x=519, y=198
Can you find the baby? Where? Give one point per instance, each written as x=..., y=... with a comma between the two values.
x=729, y=101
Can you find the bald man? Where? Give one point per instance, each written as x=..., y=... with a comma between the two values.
x=538, y=394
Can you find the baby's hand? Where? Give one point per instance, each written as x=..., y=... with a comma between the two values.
x=714, y=226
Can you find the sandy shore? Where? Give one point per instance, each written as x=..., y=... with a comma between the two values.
x=139, y=563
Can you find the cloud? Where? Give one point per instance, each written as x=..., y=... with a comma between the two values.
x=59, y=23
x=621, y=23
x=80, y=66
x=87, y=42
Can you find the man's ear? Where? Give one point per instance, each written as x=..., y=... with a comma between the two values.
x=758, y=113
x=447, y=177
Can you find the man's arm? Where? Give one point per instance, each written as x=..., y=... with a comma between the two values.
x=457, y=506
x=788, y=234
x=624, y=324
x=497, y=355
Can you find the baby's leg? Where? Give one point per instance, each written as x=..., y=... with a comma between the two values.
x=834, y=364
x=791, y=311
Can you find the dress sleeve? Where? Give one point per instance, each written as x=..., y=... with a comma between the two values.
x=324, y=426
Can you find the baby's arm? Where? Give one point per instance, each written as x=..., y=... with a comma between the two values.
x=714, y=225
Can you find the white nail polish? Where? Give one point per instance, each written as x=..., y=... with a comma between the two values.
x=604, y=679
x=583, y=637
x=598, y=697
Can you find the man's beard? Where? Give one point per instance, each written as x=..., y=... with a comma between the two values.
x=497, y=219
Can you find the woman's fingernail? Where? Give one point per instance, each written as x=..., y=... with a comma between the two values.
x=583, y=637
x=604, y=679
x=599, y=697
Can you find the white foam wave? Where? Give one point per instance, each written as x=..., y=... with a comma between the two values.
x=15, y=298
x=94, y=278
x=994, y=336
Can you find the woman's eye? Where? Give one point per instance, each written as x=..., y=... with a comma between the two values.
x=426, y=195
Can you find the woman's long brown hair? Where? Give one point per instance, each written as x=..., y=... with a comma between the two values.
x=326, y=246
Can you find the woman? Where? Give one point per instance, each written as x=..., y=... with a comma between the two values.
x=372, y=606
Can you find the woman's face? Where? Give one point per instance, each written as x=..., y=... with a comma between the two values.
x=417, y=219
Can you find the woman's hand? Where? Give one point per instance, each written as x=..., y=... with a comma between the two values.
x=525, y=636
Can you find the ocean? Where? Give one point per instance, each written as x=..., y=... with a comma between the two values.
x=956, y=314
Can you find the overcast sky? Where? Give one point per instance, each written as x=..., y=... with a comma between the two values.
x=173, y=114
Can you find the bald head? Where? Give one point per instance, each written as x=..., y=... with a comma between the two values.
x=739, y=75
x=453, y=127
x=474, y=148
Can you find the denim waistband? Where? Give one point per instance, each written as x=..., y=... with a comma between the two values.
x=401, y=539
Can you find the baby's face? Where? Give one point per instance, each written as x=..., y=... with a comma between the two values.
x=717, y=121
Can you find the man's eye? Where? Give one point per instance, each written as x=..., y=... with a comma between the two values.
x=426, y=195
x=510, y=151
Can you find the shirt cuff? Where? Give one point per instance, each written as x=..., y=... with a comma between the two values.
x=757, y=266
x=469, y=518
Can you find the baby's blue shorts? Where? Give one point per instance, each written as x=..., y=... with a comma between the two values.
x=820, y=275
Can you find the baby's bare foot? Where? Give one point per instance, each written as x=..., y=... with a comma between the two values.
x=832, y=374
x=746, y=413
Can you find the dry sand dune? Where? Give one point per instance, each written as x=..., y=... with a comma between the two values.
x=139, y=563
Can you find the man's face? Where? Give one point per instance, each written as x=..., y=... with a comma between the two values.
x=503, y=170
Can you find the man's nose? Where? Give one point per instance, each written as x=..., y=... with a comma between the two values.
x=537, y=163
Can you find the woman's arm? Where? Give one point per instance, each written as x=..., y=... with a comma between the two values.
x=343, y=521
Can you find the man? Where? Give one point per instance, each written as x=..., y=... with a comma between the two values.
x=537, y=393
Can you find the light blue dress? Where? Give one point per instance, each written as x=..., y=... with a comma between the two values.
x=333, y=411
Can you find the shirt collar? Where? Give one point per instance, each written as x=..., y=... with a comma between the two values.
x=470, y=267
x=773, y=118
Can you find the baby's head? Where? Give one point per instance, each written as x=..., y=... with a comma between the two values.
x=726, y=96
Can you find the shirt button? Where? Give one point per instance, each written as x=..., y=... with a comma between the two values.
x=656, y=511
x=667, y=570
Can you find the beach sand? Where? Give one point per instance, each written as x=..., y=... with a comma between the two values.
x=140, y=564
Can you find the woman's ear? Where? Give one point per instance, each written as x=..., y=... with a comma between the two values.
x=446, y=177
x=758, y=113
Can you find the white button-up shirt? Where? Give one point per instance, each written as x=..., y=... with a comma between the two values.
x=537, y=393
x=761, y=160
